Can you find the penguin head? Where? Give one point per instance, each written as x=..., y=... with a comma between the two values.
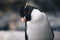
x=35, y=16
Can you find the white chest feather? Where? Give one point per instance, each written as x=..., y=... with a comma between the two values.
x=38, y=28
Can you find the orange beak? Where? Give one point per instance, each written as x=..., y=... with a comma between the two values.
x=23, y=19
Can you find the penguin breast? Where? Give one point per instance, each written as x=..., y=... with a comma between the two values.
x=36, y=15
x=38, y=28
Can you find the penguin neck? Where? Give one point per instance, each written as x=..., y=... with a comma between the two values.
x=36, y=16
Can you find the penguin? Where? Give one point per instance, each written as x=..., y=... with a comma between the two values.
x=38, y=27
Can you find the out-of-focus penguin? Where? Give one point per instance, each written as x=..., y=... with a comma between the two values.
x=38, y=27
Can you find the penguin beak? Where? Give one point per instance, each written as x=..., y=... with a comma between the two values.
x=23, y=19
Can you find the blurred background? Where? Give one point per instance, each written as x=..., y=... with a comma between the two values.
x=10, y=17
x=9, y=14
x=10, y=20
